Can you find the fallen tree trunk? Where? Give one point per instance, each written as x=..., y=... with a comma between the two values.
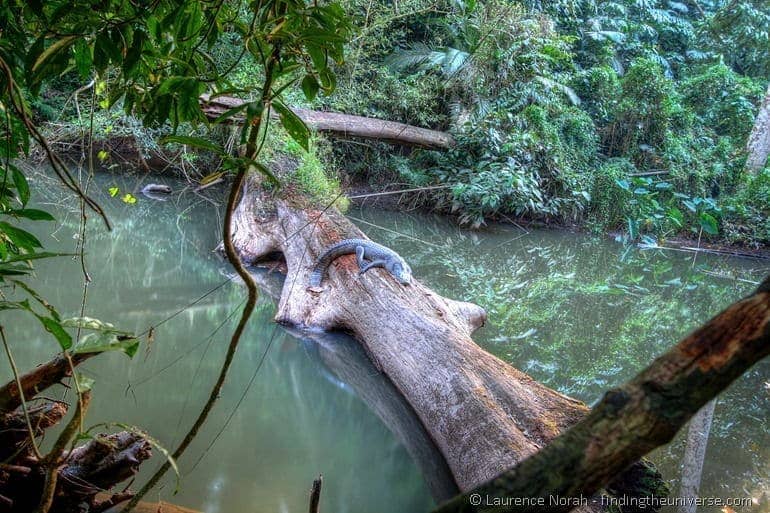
x=637, y=417
x=484, y=415
x=345, y=125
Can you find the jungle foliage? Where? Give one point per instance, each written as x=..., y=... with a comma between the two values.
x=628, y=114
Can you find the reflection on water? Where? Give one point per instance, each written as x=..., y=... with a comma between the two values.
x=577, y=313
x=583, y=315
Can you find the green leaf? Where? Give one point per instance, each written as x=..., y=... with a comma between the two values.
x=114, y=191
x=676, y=216
x=230, y=113
x=267, y=173
x=32, y=292
x=35, y=256
x=328, y=80
x=56, y=47
x=55, y=328
x=32, y=213
x=105, y=341
x=83, y=58
x=197, y=142
x=310, y=87
x=20, y=182
x=709, y=224
x=83, y=382
x=129, y=198
x=20, y=238
x=294, y=126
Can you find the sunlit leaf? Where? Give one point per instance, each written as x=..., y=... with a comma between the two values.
x=105, y=341
x=709, y=223
x=20, y=182
x=294, y=126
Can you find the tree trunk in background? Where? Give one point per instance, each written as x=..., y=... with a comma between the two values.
x=695, y=455
x=758, y=146
x=345, y=126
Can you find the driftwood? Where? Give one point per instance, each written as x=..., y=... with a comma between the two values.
x=81, y=473
x=345, y=125
x=483, y=415
x=638, y=416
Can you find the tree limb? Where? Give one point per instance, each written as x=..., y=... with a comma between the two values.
x=38, y=379
x=636, y=417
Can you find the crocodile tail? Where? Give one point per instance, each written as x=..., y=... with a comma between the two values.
x=343, y=247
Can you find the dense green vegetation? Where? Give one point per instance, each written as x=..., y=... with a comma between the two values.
x=628, y=115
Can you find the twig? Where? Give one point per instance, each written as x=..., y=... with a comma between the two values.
x=235, y=261
x=315, y=495
x=400, y=234
x=54, y=458
x=38, y=379
x=21, y=392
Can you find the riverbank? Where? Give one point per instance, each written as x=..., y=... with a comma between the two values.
x=135, y=148
x=362, y=194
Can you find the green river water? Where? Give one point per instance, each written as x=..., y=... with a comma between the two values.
x=578, y=313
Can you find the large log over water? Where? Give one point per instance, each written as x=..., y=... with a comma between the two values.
x=346, y=125
x=484, y=415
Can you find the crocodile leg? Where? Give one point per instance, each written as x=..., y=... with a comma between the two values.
x=371, y=265
x=360, y=257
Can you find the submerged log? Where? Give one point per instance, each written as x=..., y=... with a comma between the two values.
x=484, y=415
x=695, y=456
x=346, y=125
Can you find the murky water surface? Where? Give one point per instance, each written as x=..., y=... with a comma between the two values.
x=577, y=313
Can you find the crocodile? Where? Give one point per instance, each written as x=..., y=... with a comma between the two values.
x=376, y=254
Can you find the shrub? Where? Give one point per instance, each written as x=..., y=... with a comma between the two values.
x=725, y=101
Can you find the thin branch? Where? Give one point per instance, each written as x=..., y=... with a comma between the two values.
x=15, y=370
x=54, y=458
x=251, y=302
x=315, y=495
